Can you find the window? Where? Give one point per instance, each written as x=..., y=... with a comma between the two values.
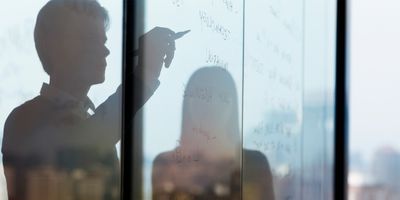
x=246, y=108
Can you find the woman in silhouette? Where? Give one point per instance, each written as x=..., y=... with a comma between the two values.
x=207, y=160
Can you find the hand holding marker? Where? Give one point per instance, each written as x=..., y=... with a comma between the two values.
x=173, y=37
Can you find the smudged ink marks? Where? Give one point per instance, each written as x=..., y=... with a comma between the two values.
x=273, y=100
x=209, y=95
x=215, y=39
x=210, y=23
x=180, y=156
x=213, y=58
x=178, y=3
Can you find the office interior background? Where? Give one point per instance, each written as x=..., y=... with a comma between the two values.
x=372, y=46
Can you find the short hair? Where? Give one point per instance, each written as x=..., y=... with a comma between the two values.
x=52, y=17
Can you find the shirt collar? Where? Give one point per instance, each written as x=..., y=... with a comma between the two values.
x=63, y=98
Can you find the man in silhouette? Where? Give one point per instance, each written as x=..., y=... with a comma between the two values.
x=52, y=147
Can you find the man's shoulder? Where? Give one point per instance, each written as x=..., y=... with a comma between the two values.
x=164, y=158
x=30, y=107
x=21, y=122
x=27, y=114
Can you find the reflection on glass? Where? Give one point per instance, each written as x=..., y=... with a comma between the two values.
x=58, y=145
x=206, y=162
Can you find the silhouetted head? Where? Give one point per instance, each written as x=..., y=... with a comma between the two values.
x=70, y=39
x=210, y=113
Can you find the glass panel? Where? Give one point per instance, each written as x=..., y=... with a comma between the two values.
x=60, y=133
x=191, y=125
x=288, y=99
x=245, y=111
x=319, y=99
x=272, y=119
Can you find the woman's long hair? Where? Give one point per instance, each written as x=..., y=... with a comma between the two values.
x=210, y=118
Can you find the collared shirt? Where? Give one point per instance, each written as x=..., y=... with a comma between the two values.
x=63, y=99
x=54, y=132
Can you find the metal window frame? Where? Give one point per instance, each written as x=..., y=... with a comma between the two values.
x=341, y=112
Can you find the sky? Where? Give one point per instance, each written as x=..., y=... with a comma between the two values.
x=374, y=66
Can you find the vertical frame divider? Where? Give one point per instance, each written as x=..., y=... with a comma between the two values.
x=128, y=187
x=341, y=135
